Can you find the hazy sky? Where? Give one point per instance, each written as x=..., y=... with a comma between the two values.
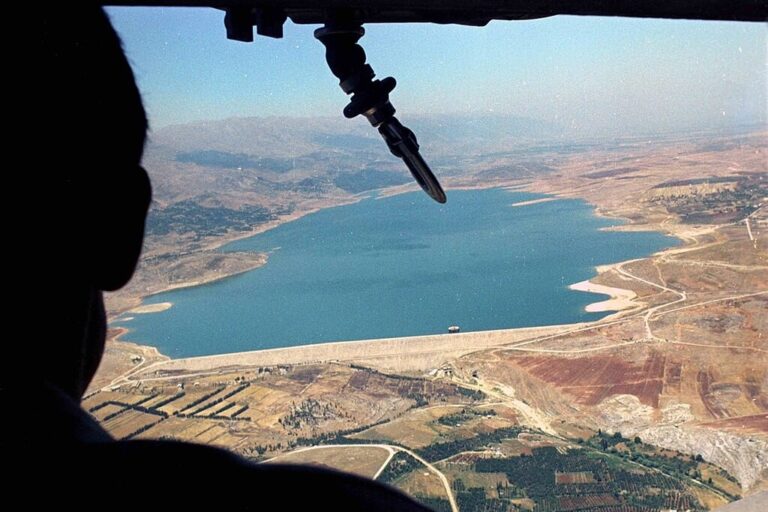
x=592, y=75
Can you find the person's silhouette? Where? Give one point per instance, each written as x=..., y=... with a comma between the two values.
x=82, y=111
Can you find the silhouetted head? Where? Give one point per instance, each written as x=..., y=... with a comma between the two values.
x=84, y=181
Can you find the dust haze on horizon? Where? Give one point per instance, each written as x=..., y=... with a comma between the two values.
x=589, y=76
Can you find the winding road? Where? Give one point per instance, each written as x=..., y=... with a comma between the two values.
x=392, y=449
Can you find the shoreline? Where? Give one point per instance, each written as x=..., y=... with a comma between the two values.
x=138, y=301
x=154, y=352
x=407, y=353
x=535, y=201
x=192, y=284
x=145, y=309
x=619, y=301
x=272, y=224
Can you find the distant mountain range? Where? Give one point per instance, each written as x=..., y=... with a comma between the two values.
x=210, y=172
x=293, y=136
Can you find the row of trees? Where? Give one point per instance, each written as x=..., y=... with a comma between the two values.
x=200, y=400
x=614, y=485
x=454, y=420
x=218, y=400
x=439, y=451
x=143, y=429
x=401, y=464
x=475, y=500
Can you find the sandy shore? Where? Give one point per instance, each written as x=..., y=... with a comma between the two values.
x=415, y=353
x=535, y=201
x=151, y=308
x=620, y=299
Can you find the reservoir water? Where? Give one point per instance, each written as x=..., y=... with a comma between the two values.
x=399, y=266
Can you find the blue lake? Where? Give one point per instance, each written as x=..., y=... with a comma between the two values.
x=399, y=266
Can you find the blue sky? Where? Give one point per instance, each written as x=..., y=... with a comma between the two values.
x=594, y=76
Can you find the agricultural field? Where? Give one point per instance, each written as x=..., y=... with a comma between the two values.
x=659, y=406
x=576, y=478
x=266, y=410
x=591, y=379
x=510, y=469
x=359, y=460
x=421, y=427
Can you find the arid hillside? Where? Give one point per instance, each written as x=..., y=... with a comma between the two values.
x=663, y=404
